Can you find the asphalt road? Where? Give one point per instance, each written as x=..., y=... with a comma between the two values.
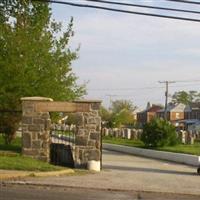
x=23, y=192
x=123, y=172
x=123, y=177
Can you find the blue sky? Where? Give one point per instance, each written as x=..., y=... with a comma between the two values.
x=126, y=55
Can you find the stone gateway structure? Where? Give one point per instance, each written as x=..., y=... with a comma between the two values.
x=36, y=125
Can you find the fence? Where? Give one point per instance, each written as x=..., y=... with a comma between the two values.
x=62, y=144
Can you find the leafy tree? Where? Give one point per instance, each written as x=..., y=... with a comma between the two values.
x=158, y=133
x=186, y=97
x=122, y=113
x=106, y=116
x=35, y=58
x=119, y=105
x=124, y=117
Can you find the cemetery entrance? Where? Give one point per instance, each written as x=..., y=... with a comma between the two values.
x=38, y=134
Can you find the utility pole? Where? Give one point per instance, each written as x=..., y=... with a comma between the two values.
x=166, y=95
x=110, y=96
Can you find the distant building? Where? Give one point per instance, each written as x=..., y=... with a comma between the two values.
x=148, y=114
x=137, y=110
x=194, y=112
x=175, y=112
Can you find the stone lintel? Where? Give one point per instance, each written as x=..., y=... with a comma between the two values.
x=58, y=106
x=94, y=104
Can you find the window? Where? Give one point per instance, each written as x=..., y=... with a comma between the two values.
x=177, y=115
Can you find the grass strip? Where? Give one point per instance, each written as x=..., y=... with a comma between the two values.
x=18, y=162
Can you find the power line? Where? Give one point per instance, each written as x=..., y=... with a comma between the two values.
x=184, y=1
x=119, y=10
x=139, y=88
x=144, y=6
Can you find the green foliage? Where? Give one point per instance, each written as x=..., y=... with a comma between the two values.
x=18, y=162
x=119, y=105
x=106, y=117
x=14, y=146
x=35, y=59
x=123, y=141
x=72, y=118
x=158, y=133
x=186, y=97
x=120, y=113
x=124, y=117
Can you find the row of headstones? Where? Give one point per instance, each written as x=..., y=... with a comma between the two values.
x=135, y=134
x=63, y=127
x=188, y=137
x=126, y=133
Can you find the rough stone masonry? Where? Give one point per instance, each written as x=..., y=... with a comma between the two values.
x=36, y=128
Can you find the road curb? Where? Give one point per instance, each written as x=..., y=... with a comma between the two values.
x=6, y=174
x=161, y=155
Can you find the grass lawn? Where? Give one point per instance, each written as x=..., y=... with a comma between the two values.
x=180, y=148
x=11, y=159
x=18, y=162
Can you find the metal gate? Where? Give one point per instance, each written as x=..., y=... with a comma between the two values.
x=62, y=144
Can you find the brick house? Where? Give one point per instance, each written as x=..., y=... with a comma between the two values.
x=175, y=113
x=148, y=114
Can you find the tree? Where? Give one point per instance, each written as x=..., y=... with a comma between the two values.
x=119, y=105
x=124, y=117
x=122, y=113
x=106, y=116
x=186, y=97
x=158, y=133
x=35, y=59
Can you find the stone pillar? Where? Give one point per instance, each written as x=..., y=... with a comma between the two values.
x=88, y=136
x=35, y=129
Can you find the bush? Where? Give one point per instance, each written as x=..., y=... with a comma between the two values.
x=158, y=133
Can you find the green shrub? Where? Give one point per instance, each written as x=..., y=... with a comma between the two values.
x=159, y=133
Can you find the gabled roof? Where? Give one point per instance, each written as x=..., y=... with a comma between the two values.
x=180, y=107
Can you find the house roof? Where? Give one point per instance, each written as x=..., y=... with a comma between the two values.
x=180, y=107
x=153, y=108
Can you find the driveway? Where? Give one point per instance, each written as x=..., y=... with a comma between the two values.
x=123, y=172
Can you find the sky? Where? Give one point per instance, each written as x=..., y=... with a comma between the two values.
x=123, y=56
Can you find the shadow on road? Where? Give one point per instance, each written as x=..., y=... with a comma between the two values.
x=141, y=169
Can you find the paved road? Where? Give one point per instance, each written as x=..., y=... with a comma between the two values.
x=130, y=173
x=54, y=193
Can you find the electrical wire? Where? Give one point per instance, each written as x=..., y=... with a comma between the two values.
x=139, y=88
x=144, y=6
x=184, y=1
x=119, y=10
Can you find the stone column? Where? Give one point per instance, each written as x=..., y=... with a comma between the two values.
x=35, y=129
x=88, y=136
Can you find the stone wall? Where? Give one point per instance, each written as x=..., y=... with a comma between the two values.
x=88, y=136
x=35, y=129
